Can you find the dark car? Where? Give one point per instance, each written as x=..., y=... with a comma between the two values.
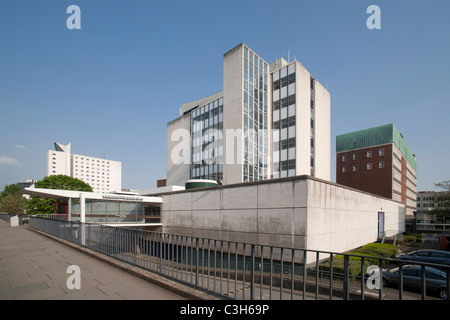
x=435, y=279
x=432, y=256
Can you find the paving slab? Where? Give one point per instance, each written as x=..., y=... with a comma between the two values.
x=33, y=266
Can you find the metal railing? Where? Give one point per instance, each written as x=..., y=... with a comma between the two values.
x=236, y=270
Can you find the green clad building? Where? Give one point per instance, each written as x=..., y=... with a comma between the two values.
x=377, y=160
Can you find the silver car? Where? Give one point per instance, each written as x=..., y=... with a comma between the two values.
x=432, y=256
x=435, y=279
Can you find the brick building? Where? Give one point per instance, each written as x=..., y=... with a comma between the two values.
x=377, y=160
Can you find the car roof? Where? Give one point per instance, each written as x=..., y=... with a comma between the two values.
x=427, y=268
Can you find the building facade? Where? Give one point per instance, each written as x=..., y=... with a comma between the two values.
x=101, y=174
x=296, y=212
x=377, y=160
x=270, y=121
x=431, y=200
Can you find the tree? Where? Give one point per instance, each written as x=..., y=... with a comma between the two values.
x=13, y=204
x=12, y=201
x=444, y=185
x=38, y=205
x=10, y=189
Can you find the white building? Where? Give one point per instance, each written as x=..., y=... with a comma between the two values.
x=294, y=212
x=101, y=174
x=269, y=121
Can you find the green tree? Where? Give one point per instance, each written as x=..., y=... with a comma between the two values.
x=38, y=205
x=12, y=201
x=10, y=189
x=13, y=204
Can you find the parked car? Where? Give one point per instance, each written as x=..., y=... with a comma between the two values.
x=435, y=279
x=432, y=256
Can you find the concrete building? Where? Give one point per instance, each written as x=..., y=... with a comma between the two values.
x=101, y=174
x=269, y=121
x=295, y=212
x=430, y=200
x=377, y=160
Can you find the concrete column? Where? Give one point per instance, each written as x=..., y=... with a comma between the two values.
x=82, y=219
x=82, y=208
x=69, y=209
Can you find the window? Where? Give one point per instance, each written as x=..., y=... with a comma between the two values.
x=344, y=169
x=276, y=85
x=355, y=157
x=381, y=152
x=291, y=78
x=355, y=167
x=381, y=164
x=344, y=158
x=369, y=154
x=369, y=166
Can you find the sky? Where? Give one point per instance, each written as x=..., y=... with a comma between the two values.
x=111, y=87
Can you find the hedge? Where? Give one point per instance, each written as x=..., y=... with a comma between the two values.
x=383, y=250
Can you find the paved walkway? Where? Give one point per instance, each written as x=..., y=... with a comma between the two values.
x=34, y=267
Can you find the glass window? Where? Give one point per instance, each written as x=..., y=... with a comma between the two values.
x=276, y=85
x=291, y=78
x=381, y=164
x=381, y=152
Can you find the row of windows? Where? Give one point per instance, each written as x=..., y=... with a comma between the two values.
x=92, y=160
x=283, y=82
x=284, y=144
x=207, y=135
x=284, y=102
x=369, y=166
x=368, y=154
x=284, y=123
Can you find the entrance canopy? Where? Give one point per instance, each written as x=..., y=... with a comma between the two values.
x=106, y=208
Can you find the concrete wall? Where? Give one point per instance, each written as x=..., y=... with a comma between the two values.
x=322, y=124
x=303, y=120
x=233, y=114
x=178, y=149
x=299, y=212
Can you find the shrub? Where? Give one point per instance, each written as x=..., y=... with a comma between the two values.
x=383, y=250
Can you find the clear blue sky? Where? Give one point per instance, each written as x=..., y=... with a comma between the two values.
x=111, y=88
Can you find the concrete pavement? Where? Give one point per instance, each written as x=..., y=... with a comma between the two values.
x=33, y=266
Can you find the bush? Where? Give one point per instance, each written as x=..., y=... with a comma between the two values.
x=354, y=267
x=382, y=250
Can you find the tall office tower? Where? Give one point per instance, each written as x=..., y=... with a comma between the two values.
x=269, y=121
x=377, y=160
x=300, y=122
x=101, y=174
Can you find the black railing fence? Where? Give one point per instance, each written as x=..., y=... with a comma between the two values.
x=236, y=270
